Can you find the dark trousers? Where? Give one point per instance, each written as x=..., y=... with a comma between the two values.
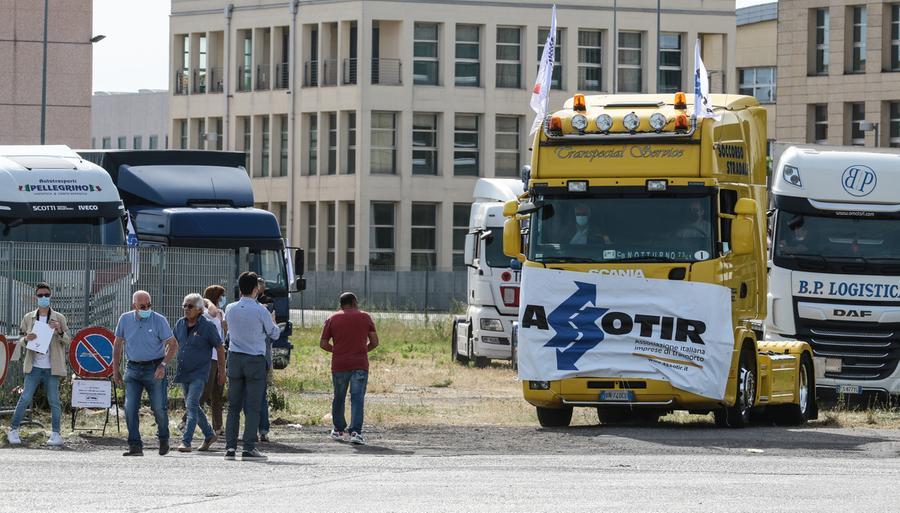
x=246, y=381
x=214, y=395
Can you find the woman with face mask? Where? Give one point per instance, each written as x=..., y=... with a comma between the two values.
x=214, y=394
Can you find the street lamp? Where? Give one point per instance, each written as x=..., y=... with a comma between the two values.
x=44, y=70
x=868, y=126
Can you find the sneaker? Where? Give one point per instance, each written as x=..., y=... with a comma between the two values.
x=133, y=451
x=184, y=447
x=55, y=440
x=356, y=438
x=207, y=443
x=337, y=435
x=254, y=455
x=229, y=454
x=163, y=447
x=13, y=437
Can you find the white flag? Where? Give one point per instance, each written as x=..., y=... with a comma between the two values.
x=131, y=236
x=702, y=106
x=133, y=253
x=540, y=94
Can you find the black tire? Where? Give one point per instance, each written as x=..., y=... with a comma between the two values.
x=482, y=362
x=454, y=347
x=799, y=414
x=554, y=417
x=738, y=416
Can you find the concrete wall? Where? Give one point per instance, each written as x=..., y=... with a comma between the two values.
x=143, y=114
x=757, y=47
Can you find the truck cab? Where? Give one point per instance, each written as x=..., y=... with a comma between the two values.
x=485, y=331
x=834, y=278
x=204, y=199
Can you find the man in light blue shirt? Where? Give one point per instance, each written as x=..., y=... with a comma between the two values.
x=149, y=345
x=249, y=323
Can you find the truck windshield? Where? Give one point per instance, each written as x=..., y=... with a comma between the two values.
x=631, y=228
x=269, y=263
x=107, y=231
x=836, y=237
x=493, y=249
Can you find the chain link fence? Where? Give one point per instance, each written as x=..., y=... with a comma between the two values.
x=92, y=285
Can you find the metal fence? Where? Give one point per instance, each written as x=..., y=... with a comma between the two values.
x=403, y=291
x=92, y=285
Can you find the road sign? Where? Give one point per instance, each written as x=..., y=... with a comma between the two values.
x=91, y=353
x=5, y=354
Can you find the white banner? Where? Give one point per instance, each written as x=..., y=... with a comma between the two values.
x=574, y=324
x=91, y=393
x=702, y=106
x=540, y=93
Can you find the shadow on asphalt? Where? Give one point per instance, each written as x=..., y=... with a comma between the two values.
x=380, y=451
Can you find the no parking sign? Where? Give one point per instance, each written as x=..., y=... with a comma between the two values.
x=91, y=353
x=5, y=354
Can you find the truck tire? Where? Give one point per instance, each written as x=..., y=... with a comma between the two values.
x=554, y=417
x=454, y=347
x=798, y=414
x=482, y=362
x=738, y=416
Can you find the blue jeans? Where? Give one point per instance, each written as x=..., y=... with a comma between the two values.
x=137, y=379
x=356, y=381
x=246, y=383
x=192, y=392
x=36, y=377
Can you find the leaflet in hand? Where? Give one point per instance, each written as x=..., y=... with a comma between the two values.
x=44, y=333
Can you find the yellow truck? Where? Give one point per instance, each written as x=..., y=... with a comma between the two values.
x=650, y=206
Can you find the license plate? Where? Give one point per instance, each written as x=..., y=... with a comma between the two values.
x=617, y=395
x=849, y=389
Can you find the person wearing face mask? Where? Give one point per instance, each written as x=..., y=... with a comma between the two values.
x=699, y=225
x=41, y=369
x=214, y=393
x=149, y=346
x=583, y=232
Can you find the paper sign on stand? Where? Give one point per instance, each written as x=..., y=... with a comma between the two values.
x=44, y=334
x=91, y=393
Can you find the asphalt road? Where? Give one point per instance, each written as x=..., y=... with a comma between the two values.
x=474, y=470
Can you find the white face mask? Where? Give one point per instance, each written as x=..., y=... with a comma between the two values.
x=581, y=220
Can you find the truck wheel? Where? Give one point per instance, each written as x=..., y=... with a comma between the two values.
x=514, y=358
x=554, y=417
x=482, y=362
x=798, y=414
x=738, y=416
x=454, y=347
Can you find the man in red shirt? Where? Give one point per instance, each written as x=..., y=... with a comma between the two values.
x=353, y=334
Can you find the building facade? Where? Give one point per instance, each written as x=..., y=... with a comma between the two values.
x=367, y=123
x=68, y=98
x=839, y=72
x=134, y=121
x=756, y=56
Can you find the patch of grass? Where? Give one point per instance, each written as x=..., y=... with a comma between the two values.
x=444, y=383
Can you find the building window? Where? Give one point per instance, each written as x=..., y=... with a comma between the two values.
x=350, y=161
x=137, y=142
x=556, y=81
x=245, y=71
x=283, y=145
x=758, y=82
x=858, y=39
x=669, y=63
x=106, y=143
x=121, y=142
x=820, y=59
x=506, y=157
x=460, y=229
x=331, y=236
x=895, y=37
x=381, y=238
x=590, y=60
x=280, y=211
x=312, y=165
x=384, y=142
x=201, y=66
x=311, y=237
x=630, y=66
x=509, y=60
x=266, y=147
x=153, y=143
x=425, y=54
x=425, y=151
x=351, y=237
x=332, y=143
x=465, y=145
x=819, y=114
x=201, y=134
x=857, y=116
x=218, y=122
x=247, y=141
x=894, y=141
x=468, y=55
x=423, y=237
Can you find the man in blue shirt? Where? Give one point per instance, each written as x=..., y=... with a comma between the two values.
x=149, y=346
x=249, y=323
x=196, y=336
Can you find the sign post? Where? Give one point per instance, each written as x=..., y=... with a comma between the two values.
x=91, y=355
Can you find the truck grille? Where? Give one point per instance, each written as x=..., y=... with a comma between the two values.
x=865, y=355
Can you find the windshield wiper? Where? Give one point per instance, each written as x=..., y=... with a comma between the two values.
x=572, y=260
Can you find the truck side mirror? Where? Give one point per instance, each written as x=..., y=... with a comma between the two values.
x=299, y=263
x=510, y=208
x=745, y=207
x=469, y=251
x=300, y=284
x=512, y=239
x=742, y=235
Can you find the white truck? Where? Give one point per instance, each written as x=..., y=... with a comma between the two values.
x=485, y=331
x=834, y=266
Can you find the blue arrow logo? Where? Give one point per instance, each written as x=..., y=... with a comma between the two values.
x=575, y=323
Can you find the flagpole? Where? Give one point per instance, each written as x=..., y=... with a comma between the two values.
x=615, y=73
x=658, y=45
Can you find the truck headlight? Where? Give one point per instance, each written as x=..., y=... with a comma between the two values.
x=792, y=176
x=539, y=385
x=491, y=325
x=631, y=122
x=579, y=122
x=658, y=121
x=604, y=122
